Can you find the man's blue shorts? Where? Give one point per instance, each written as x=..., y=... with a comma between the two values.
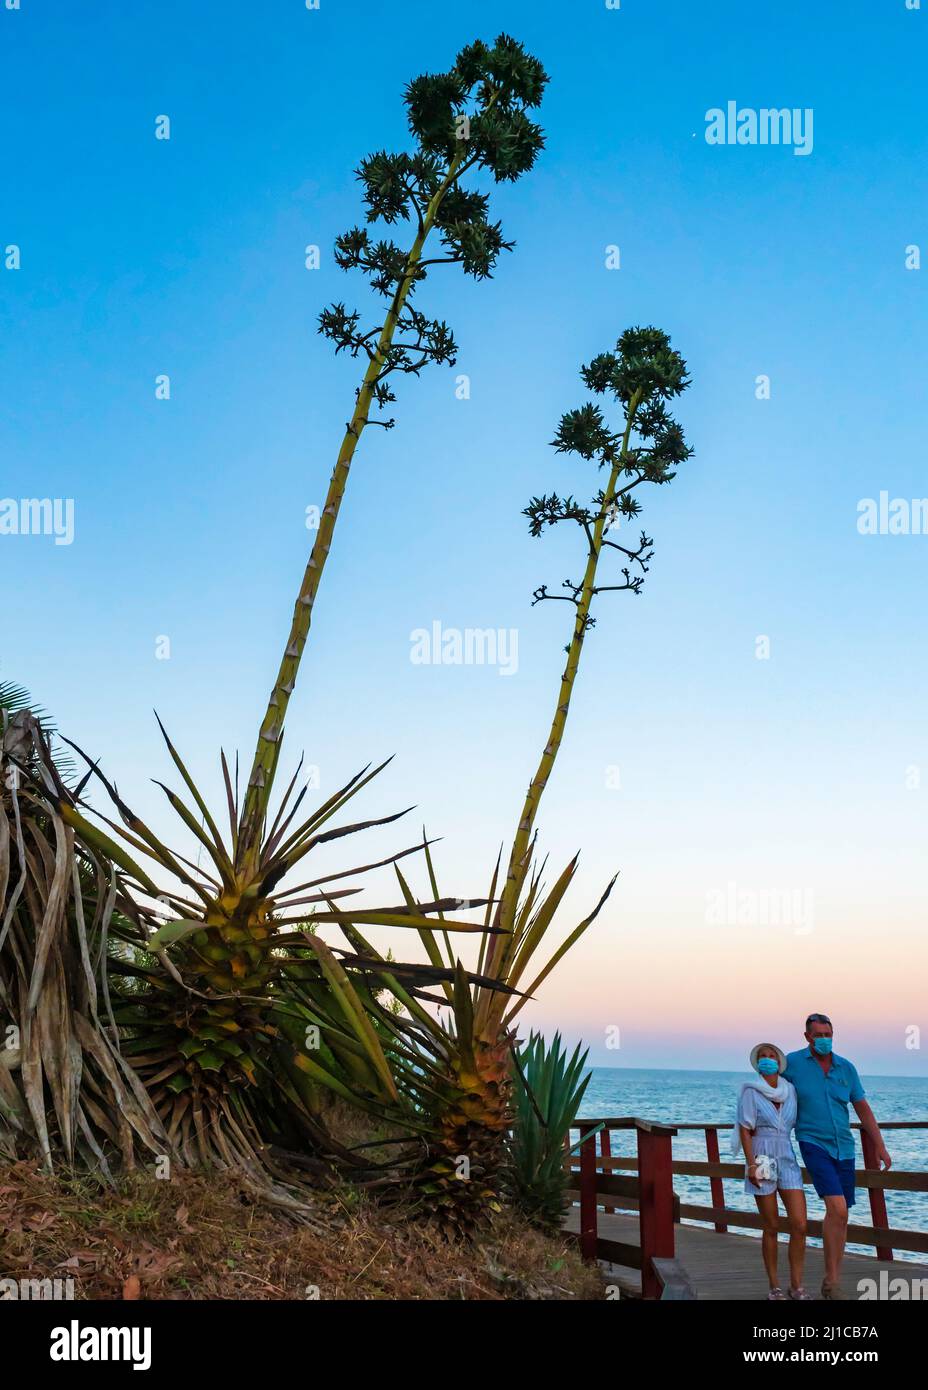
x=831, y=1177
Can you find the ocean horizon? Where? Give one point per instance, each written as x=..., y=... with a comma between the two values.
x=733, y=1071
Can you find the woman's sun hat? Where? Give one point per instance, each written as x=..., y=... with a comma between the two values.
x=781, y=1059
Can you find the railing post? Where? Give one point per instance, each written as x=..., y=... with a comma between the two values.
x=588, y=1232
x=605, y=1148
x=715, y=1184
x=655, y=1196
x=877, y=1195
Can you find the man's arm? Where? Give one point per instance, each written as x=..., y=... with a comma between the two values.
x=869, y=1125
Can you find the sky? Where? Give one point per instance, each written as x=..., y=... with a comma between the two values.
x=747, y=743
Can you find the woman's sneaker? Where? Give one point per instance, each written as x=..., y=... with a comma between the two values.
x=801, y=1295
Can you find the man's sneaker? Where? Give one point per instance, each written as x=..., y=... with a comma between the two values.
x=833, y=1291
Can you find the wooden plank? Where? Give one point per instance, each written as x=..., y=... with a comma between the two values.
x=877, y=1199
x=675, y=1282
x=604, y=1198
x=628, y=1122
x=608, y=1186
x=656, y=1212
x=892, y=1181
x=605, y=1150
x=727, y=1124
x=587, y=1198
x=619, y=1252
x=915, y=1241
x=730, y=1267
x=715, y=1184
x=612, y=1165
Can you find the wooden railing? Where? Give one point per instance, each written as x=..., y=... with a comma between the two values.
x=650, y=1192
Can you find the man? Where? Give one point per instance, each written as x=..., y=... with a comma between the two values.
x=826, y=1085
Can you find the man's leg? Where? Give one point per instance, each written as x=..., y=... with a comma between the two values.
x=834, y=1235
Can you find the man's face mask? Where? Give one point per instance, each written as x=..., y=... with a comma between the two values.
x=822, y=1046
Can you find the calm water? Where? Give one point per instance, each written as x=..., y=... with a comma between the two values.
x=690, y=1096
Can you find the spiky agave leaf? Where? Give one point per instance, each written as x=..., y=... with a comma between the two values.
x=548, y=1087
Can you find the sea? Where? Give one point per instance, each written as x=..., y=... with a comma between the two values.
x=702, y=1096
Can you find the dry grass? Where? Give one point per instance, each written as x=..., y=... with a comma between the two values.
x=195, y=1237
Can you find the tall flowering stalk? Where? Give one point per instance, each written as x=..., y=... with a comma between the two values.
x=646, y=446
x=471, y=118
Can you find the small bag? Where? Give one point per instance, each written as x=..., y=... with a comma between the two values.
x=766, y=1168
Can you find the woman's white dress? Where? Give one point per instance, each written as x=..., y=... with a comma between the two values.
x=771, y=1141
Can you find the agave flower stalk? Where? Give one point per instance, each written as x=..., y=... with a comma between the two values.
x=641, y=375
x=472, y=1110
x=471, y=118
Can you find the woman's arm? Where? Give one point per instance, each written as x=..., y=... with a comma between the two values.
x=747, y=1143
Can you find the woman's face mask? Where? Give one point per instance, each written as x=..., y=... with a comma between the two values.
x=767, y=1066
x=822, y=1046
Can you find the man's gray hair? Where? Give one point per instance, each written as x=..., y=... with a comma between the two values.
x=818, y=1018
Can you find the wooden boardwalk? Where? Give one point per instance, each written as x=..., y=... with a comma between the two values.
x=727, y=1266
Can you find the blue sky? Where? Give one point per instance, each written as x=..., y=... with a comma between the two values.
x=186, y=257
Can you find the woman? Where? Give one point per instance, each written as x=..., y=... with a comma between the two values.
x=766, y=1116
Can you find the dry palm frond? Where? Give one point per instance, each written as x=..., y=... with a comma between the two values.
x=65, y=1085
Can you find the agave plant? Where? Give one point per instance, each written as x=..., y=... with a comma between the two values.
x=470, y=1102
x=235, y=1016
x=548, y=1087
x=452, y=1073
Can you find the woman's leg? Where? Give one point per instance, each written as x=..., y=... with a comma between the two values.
x=767, y=1206
x=794, y=1200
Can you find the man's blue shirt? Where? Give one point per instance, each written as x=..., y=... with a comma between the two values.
x=823, y=1099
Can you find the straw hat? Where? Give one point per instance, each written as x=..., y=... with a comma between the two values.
x=781, y=1059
